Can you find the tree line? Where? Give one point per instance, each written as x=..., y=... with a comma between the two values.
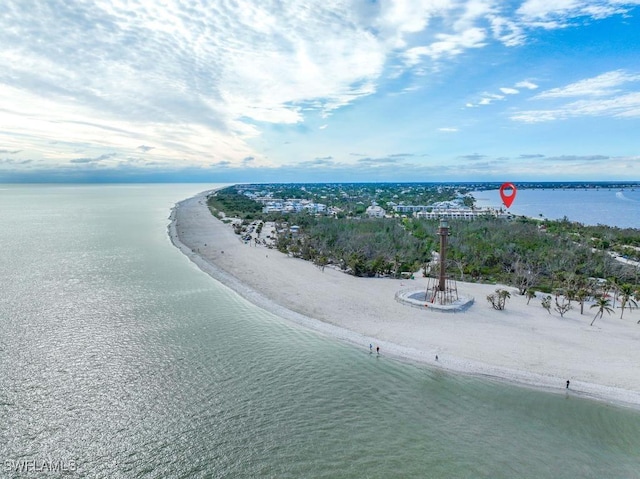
x=515, y=252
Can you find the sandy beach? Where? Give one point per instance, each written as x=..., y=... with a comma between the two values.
x=522, y=344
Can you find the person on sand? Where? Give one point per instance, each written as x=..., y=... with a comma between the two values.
x=378, y=349
x=568, y=382
x=370, y=347
x=436, y=357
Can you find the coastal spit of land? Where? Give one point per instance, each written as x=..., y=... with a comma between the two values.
x=521, y=344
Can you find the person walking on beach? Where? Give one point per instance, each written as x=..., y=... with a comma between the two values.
x=370, y=347
x=568, y=382
x=378, y=349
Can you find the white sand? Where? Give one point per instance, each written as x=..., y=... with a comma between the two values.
x=522, y=344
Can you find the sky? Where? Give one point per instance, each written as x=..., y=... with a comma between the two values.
x=319, y=90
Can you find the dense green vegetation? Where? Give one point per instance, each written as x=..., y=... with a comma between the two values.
x=365, y=247
x=486, y=249
x=234, y=204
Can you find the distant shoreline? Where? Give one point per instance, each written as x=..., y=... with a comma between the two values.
x=589, y=210
x=521, y=345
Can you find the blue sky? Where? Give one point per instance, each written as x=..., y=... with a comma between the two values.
x=327, y=90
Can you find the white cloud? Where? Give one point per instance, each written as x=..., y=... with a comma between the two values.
x=545, y=8
x=398, y=18
x=218, y=69
x=198, y=80
x=602, y=85
x=52, y=127
x=526, y=84
x=462, y=27
x=622, y=106
x=215, y=68
x=489, y=98
x=601, y=96
x=506, y=31
x=447, y=45
x=542, y=10
x=472, y=11
x=448, y=130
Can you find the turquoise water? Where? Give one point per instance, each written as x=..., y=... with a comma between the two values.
x=119, y=354
x=612, y=207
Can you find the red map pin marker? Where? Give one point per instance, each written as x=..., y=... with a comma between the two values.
x=508, y=197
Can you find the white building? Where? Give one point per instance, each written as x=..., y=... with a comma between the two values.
x=410, y=208
x=375, y=211
x=460, y=213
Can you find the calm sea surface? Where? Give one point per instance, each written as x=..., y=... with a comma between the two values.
x=118, y=354
x=612, y=207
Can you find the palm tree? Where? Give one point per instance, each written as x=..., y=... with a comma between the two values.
x=503, y=294
x=581, y=295
x=530, y=294
x=612, y=285
x=603, y=304
x=626, y=293
x=499, y=298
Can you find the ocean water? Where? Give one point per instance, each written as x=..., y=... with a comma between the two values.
x=120, y=359
x=612, y=207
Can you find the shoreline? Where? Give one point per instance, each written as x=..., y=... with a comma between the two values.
x=590, y=213
x=512, y=346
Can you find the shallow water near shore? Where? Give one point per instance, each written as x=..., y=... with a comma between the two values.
x=119, y=354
